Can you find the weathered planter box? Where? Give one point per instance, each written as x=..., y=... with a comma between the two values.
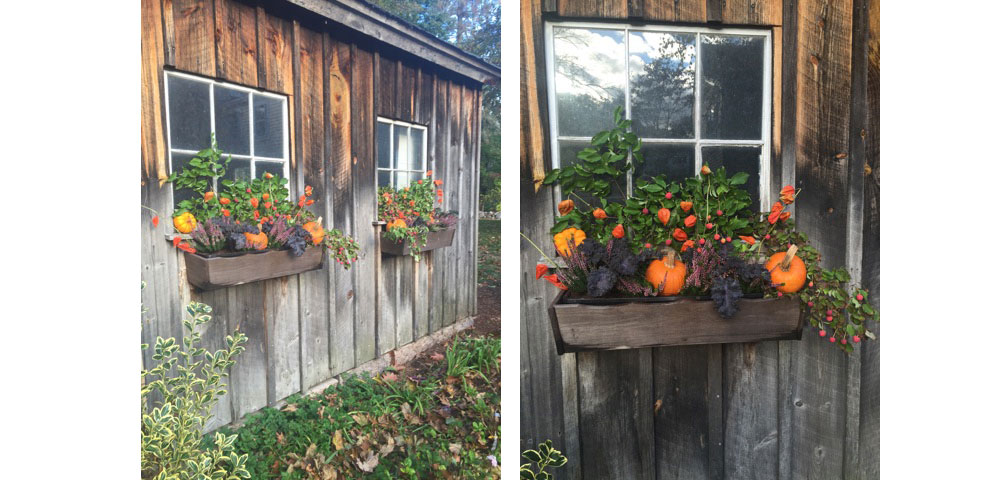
x=668, y=321
x=440, y=239
x=208, y=273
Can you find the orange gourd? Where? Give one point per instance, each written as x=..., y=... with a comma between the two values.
x=668, y=273
x=316, y=231
x=185, y=222
x=397, y=223
x=257, y=241
x=788, y=270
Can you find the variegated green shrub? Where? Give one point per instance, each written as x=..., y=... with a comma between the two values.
x=189, y=380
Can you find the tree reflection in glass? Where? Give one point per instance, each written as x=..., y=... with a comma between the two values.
x=589, y=78
x=662, y=79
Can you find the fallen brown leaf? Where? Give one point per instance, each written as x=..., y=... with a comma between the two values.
x=338, y=441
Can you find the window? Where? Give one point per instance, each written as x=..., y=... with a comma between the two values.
x=400, y=152
x=250, y=126
x=697, y=96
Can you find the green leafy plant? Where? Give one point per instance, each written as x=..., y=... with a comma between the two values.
x=543, y=457
x=189, y=379
x=200, y=175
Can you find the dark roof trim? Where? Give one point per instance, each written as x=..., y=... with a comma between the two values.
x=374, y=22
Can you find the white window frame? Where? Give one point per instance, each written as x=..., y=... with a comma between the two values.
x=764, y=143
x=252, y=158
x=392, y=170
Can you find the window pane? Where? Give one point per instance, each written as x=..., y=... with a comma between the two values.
x=274, y=168
x=268, y=136
x=417, y=148
x=569, y=156
x=737, y=159
x=731, y=99
x=178, y=161
x=188, y=108
x=403, y=179
x=589, y=78
x=662, y=76
x=401, y=151
x=232, y=121
x=383, y=145
x=675, y=161
x=239, y=169
x=383, y=178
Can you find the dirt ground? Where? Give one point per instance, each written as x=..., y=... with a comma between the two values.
x=486, y=323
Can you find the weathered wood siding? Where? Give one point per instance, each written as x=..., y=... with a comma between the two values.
x=784, y=409
x=307, y=328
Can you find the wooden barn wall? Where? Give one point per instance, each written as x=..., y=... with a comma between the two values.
x=788, y=409
x=308, y=328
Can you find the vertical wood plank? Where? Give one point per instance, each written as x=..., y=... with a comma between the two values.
x=281, y=302
x=275, y=52
x=440, y=133
x=214, y=338
x=776, y=158
x=386, y=77
x=870, y=352
x=682, y=424
x=405, y=92
x=617, y=408
x=750, y=410
x=426, y=101
x=194, y=39
x=463, y=193
x=753, y=12
x=236, y=42
x=248, y=377
x=338, y=130
x=167, y=26
x=405, y=300
x=314, y=290
x=364, y=197
x=452, y=200
x=386, y=331
x=421, y=291
x=715, y=11
x=478, y=109
x=153, y=144
x=691, y=11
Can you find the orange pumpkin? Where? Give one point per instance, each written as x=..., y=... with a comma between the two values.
x=788, y=270
x=257, y=241
x=397, y=223
x=668, y=273
x=564, y=239
x=185, y=222
x=316, y=231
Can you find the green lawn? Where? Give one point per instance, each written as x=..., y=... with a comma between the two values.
x=437, y=419
x=489, y=253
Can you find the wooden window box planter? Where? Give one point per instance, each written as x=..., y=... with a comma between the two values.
x=217, y=271
x=582, y=324
x=434, y=240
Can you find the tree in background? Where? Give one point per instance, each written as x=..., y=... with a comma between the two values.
x=475, y=27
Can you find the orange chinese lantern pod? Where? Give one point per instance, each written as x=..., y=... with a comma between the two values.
x=438, y=182
x=428, y=173
x=687, y=245
x=705, y=170
x=666, y=274
x=224, y=200
x=566, y=206
x=784, y=216
x=663, y=215
x=308, y=190
x=679, y=235
x=254, y=202
x=748, y=239
x=208, y=196
x=541, y=270
x=787, y=195
x=599, y=213
x=264, y=196
x=618, y=231
x=788, y=270
x=690, y=221
x=686, y=206
x=268, y=175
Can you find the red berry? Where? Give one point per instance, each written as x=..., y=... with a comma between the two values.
x=832, y=339
x=828, y=312
x=828, y=318
x=647, y=245
x=856, y=339
x=644, y=211
x=821, y=333
x=723, y=241
x=709, y=226
x=717, y=236
x=702, y=241
x=699, y=249
x=719, y=213
x=728, y=239
x=860, y=298
x=668, y=241
x=668, y=194
x=767, y=237
x=708, y=218
x=843, y=341
x=811, y=284
x=811, y=304
x=780, y=294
